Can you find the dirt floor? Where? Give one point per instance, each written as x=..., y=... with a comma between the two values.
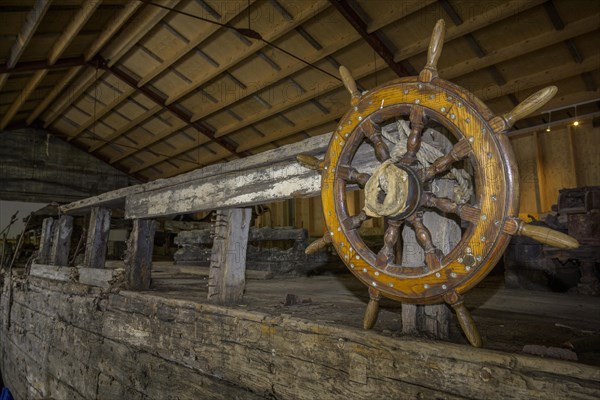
x=508, y=319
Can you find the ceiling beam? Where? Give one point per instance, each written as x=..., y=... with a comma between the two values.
x=477, y=22
x=304, y=15
x=371, y=38
x=34, y=18
x=174, y=108
x=515, y=50
x=128, y=37
x=33, y=66
x=476, y=46
x=202, y=36
x=87, y=9
x=488, y=93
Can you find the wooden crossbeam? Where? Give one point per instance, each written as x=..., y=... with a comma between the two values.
x=34, y=18
x=136, y=29
x=474, y=23
x=372, y=39
x=203, y=35
x=87, y=9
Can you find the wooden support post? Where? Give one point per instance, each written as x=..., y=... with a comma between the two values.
x=433, y=320
x=227, y=275
x=138, y=261
x=43, y=256
x=61, y=242
x=572, y=153
x=97, y=238
x=539, y=163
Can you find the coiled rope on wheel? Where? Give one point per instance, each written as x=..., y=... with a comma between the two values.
x=387, y=175
x=426, y=156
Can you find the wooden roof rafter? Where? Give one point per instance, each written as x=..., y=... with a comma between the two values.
x=249, y=51
x=135, y=29
x=526, y=83
x=162, y=67
x=33, y=20
x=474, y=23
x=85, y=12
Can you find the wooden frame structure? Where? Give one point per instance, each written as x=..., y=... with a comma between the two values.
x=192, y=105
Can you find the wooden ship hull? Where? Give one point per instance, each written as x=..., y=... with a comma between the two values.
x=68, y=340
x=99, y=333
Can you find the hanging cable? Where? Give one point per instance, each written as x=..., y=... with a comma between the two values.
x=249, y=33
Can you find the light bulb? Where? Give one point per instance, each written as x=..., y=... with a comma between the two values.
x=576, y=123
x=548, y=129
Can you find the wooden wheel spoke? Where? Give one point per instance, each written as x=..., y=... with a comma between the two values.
x=387, y=252
x=355, y=221
x=351, y=175
x=442, y=164
x=373, y=132
x=433, y=255
x=465, y=211
x=413, y=144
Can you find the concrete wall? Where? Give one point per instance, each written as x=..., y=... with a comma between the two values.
x=38, y=167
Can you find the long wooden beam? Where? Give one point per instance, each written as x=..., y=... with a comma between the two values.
x=87, y=9
x=136, y=28
x=304, y=15
x=202, y=36
x=512, y=51
x=371, y=38
x=468, y=26
x=315, y=146
x=34, y=18
x=275, y=78
x=34, y=66
x=109, y=31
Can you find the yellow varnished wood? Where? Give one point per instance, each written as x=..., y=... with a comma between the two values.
x=548, y=236
x=350, y=84
x=459, y=113
x=464, y=318
x=318, y=244
x=372, y=311
x=434, y=52
x=523, y=109
x=310, y=162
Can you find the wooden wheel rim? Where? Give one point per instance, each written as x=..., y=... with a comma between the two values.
x=482, y=243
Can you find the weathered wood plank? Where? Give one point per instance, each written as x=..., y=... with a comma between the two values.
x=138, y=261
x=238, y=188
x=61, y=242
x=116, y=198
x=138, y=346
x=46, y=236
x=101, y=277
x=227, y=277
x=53, y=272
x=97, y=238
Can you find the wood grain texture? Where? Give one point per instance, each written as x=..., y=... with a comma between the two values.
x=61, y=243
x=137, y=346
x=97, y=238
x=138, y=260
x=227, y=277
